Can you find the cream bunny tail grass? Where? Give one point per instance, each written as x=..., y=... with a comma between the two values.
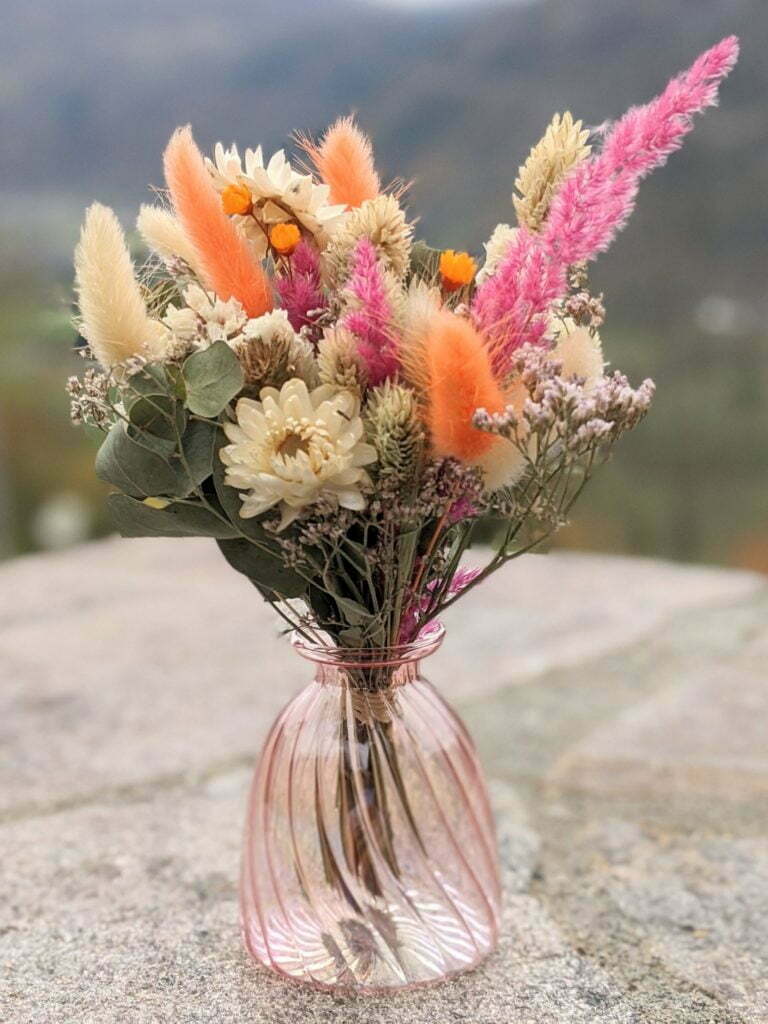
x=113, y=316
x=165, y=236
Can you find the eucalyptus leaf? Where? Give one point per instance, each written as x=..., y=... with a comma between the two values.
x=159, y=415
x=262, y=563
x=135, y=519
x=212, y=378
x=162, y=446
x=198, y=443
x=136, y=470
x=150, y=380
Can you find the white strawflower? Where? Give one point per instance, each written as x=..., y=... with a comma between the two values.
x=277, y=194
x=295, y=447
x=270, y=327
x=495, y=250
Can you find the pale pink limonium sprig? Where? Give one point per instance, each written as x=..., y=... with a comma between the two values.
x=371, y=319
x=460, y=580
x=592, y=205
x=300, y=291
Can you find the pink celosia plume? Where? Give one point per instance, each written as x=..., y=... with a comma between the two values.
x=300, y=291
x=592, y=205
x=371, y=319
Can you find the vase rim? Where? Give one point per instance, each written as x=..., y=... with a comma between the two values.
x=328, y=653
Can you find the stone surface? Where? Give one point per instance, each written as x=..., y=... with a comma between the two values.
x=108, y=648
x=709, y=735
x=620, y=706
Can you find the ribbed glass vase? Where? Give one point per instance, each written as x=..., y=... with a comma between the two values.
x=369, y=859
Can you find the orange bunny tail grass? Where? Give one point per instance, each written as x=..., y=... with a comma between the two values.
x=223, y=254
x=461, y=380
x=344, y=161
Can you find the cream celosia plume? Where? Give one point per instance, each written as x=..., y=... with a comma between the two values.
x=383, y=221
x=338, y=361
x=164, y=235
x=113, y=316
x=563, y=146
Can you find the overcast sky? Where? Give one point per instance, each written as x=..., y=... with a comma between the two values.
x=441, y=3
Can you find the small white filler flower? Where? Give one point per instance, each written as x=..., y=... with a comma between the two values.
x=295, y=447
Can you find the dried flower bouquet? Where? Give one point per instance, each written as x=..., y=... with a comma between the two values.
x=339, y=405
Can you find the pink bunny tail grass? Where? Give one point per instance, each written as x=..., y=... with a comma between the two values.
x=301, y=292
x=592, y=205
x=371, y=321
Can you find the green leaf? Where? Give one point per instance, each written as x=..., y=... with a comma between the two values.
x=352, y=637
x=425, y=261
x=150, y=380
x=144, y=466
x=264, y=568
x=162, y=446
x=135, y=519
x=354, y=613
x=135, y=469
x=198, y=444
x=158, y=415
x=212, y=377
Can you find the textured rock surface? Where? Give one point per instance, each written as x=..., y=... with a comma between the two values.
x=620, y=706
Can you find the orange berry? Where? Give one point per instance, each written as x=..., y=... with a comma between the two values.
x=284, y=238
x=456, y=269
x=236, y=199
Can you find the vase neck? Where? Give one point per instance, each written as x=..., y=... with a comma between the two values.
x=367, y=678
x=370, y=668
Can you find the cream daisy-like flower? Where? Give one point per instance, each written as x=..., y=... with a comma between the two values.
x=205, y=319
x=278, y=194
x=295, y=447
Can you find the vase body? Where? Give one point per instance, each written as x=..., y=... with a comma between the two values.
x=369, y=860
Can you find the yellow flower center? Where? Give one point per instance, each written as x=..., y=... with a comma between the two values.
x=456, y=269
x=236, y=199
x=292, y=444
x=296, y=437
x=284, y=238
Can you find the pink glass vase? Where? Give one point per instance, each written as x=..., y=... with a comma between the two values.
x=369, y=860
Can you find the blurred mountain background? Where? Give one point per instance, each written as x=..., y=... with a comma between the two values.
x=454, y=96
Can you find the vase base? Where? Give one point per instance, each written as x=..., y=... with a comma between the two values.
x=376, y=954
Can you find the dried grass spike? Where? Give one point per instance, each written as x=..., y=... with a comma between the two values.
x=344, y=160
x=223, y=253
x=113, y=316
